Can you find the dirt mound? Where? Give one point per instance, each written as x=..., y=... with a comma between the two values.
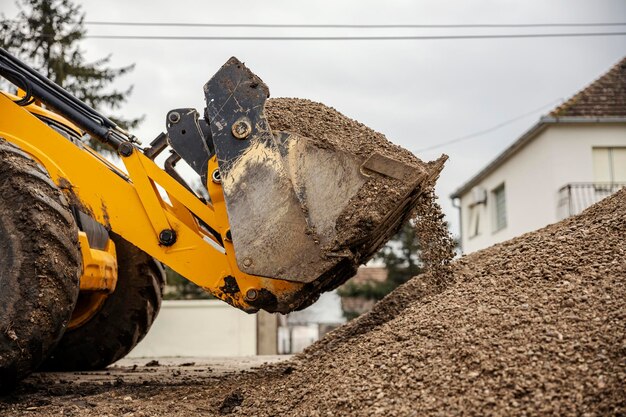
x=328, y=127
x=532, y=326
x=535, y=325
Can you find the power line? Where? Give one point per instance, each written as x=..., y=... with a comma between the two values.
x=352, y=38
x=353, y=26
x=349, y=25
x=488, y=130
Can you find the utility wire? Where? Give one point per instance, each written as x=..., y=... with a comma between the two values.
x=352, y=38
x=348, y=25
x=351, y=26
x=489, y=130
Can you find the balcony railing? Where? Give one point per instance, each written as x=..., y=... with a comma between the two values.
x=575, y=197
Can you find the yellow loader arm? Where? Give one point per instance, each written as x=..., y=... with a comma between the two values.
x=269, y=238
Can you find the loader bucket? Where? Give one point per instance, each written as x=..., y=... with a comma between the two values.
x=302, y=209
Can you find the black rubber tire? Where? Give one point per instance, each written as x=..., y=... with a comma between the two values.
x=40, y=264
x=123, y=320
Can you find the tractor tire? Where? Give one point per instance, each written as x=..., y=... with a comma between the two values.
x=40, y=264
x=123, y=320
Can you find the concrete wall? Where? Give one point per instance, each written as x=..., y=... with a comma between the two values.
x=266, y=333
x=200, y=328
x=559, y=155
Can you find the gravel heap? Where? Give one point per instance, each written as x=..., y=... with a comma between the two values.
x=329, y=128
x=532, y=326
x=535, y=325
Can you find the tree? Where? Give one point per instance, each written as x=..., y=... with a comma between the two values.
x=401, y=257
x=179, y=288
x=46, y=34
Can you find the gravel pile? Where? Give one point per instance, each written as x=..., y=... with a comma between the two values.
x=329, y=128
x=535, y=325
x=532, y=326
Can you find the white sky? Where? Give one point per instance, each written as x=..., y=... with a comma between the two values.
x=418, y=93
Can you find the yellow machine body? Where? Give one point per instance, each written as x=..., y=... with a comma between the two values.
x=284, y=218
x=130, y=204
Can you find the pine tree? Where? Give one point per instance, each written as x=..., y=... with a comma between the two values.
x=46, y=34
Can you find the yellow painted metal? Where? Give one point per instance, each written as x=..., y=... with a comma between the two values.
x=132, y=207
x=148, y=193
x=37, y=109
x=98, y=280
x=89, y=303
x=99, y=266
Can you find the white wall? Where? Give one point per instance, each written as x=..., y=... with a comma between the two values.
x=559, y=155
x=199, y=328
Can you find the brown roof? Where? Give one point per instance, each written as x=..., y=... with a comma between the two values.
x=602, y=101
x=605, y=97
x=370, y=273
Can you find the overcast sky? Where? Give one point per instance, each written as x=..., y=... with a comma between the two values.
x=418, y=93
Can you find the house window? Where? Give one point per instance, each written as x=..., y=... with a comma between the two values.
x=474, y=221
x=499, y=208
x=609, y=164
x=477, y=199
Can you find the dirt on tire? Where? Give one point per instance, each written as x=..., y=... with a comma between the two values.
x=40, y=264
x=123, y=320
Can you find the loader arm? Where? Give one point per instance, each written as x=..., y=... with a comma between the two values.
x=132, y=206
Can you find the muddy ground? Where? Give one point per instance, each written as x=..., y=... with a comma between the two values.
x=124, y=388
x=532, y=326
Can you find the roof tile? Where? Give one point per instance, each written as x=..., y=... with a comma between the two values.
x=605, y=97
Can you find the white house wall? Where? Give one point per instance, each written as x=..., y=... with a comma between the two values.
x=577, y=141
x=559, y=155
x=199, y=328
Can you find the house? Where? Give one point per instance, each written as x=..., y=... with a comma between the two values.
x=354, y=305
x=570, y=159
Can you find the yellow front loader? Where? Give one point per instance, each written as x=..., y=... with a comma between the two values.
x=83, y=242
